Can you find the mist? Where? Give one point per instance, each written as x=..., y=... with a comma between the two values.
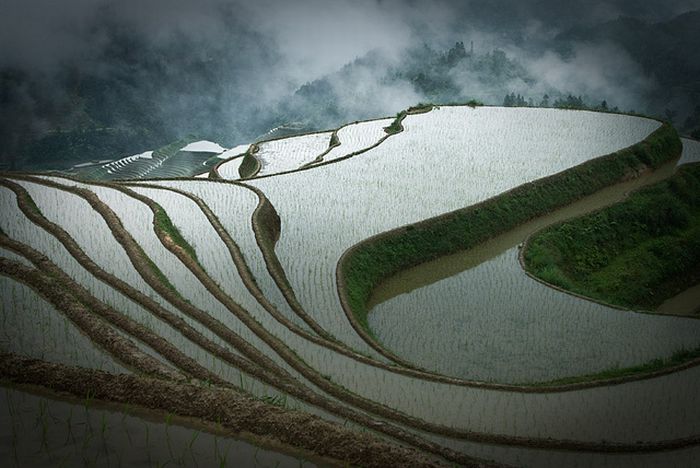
x=152, y=72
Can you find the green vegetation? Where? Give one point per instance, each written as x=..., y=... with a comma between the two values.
x=562, y=102
x=371, y=262
x=164, y=223
x=471, y=103
x=62, y=148
x=634, y=254
x=157, y=271
x=420, y=107
x=270, y=223
x=249, y=166
x=32, y=205
x=395, y=126
x=678, y=358
x=276, y=400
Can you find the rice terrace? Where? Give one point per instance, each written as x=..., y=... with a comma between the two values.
x=373, y=233
x=223, y=300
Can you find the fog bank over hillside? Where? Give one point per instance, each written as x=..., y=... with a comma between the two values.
x=87, y=79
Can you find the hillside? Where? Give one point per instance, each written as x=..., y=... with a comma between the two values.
x=665, y=52
x=133, y=95
x=248, y=290
x=640, y=253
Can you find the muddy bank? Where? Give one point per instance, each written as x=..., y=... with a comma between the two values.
x=44, y=429
x=280, y=378
x=234, y=413
x=370, y=262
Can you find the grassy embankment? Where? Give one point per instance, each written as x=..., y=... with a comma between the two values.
x=677, y=359
x=165, y=224
x=634, y=254
x=383, y=256
x=421, y=108
x=250, y=165
x=396, y=127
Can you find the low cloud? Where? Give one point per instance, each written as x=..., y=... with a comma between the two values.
x=598, y=71
x=227, y=68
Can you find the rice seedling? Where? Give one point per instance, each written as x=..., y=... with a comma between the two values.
x=220, y=198
x=356, y=137
x=691, y=152
x=291, y=153
x=453, y=157
x=535, y=340
x=378, y=182
x=40, y=331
